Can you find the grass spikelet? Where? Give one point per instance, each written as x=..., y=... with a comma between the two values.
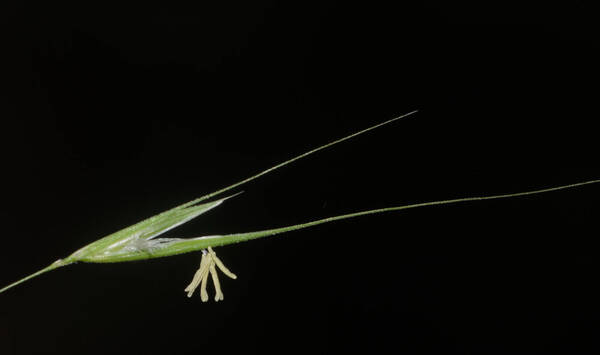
x=140, y=241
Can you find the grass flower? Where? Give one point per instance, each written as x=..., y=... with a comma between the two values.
x=140, y=241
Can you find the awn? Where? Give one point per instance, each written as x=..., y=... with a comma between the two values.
x=140, y=241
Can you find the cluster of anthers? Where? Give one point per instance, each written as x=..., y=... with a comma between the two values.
x=207, y=266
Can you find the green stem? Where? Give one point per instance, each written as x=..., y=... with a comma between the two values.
x=58, y=263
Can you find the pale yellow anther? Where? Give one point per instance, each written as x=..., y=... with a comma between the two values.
x=207, y=266
x=202, y=270
x=220, y=264
x=192, y=286
x=215, y=278
x=203, y=293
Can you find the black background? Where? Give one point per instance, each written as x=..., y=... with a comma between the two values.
x=110, y=115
